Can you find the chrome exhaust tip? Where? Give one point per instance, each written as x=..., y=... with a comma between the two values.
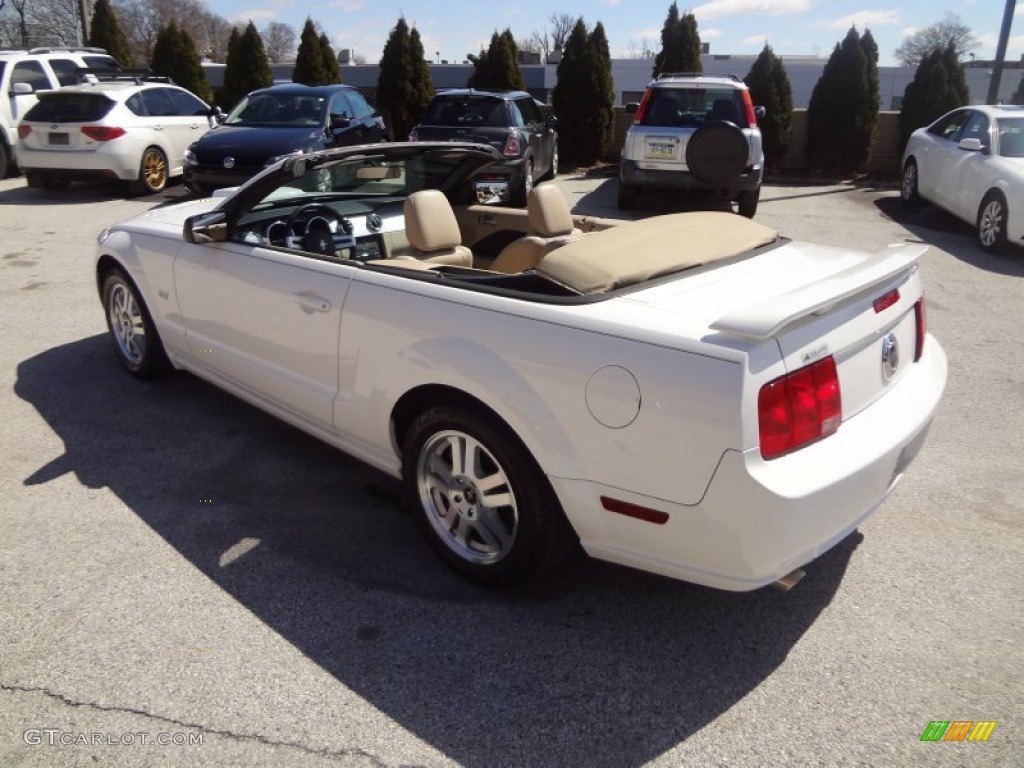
x=790, y=580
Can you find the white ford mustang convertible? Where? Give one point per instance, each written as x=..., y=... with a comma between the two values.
x=691, y=394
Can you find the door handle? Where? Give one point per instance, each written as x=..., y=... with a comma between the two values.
x=311, y=302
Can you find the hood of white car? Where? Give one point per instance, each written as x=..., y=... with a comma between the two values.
x=169, y=218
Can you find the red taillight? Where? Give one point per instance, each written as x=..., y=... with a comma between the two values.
x=882, y=303
x=751, y=116
x=643, y=106
x=799, y=408
x=512, y=147
x=24, y=131
x=922, y=329
x=414, y=134
x=102, y=132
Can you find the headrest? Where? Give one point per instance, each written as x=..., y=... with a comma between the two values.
x=548, y=212
x=430, y=223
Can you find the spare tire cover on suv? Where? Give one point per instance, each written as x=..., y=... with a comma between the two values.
x=717, y=152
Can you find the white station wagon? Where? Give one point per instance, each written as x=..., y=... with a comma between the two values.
x=691, y=395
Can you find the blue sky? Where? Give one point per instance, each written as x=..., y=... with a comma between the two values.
x=450, y=30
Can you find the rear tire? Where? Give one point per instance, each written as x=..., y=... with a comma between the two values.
x=479, y=498
x=5, y=160
x=993, y=217
x=523, y=193
x=153, y=171
x=746, y=202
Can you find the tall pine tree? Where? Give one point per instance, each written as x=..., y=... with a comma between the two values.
x=603, y=89
x=838, y=116
x=330, y=60
x=938, y=87
x=497, y=68
x=404, y=85
x=309, y=61
x=105, y=32
x=175, y=56
x=247, y=66
x=574, y=100
x=770, y=88
x=680, y=44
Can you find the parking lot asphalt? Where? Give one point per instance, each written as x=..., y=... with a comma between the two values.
x=177, y=567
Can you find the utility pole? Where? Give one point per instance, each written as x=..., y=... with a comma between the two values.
x=997, y=69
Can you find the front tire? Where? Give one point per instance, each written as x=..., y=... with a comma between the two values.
x=993, y=217
x=153, y=172
x=5, y=160
x=908, y=188
x=136, y=342
x=480, y=500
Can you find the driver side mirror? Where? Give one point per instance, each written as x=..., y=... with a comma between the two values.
x=971, y=145
x=209, y=227
x=339, y=122
x=20, y=89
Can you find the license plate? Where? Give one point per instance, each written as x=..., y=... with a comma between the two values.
x=661, y=149
x=59, y=138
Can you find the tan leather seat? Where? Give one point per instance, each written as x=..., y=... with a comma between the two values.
x=551, y=226
x=432, y=230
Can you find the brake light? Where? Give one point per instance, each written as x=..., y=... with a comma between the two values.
x=922, y=323
x=882, y=303
x=643, y=107
x=24, y=131
x=512, y=147
x=414, y=134
x=799, y=408
x=751, y=116
x=102, y=132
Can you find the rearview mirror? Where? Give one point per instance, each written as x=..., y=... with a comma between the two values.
x=209, y=227
x=377, y=172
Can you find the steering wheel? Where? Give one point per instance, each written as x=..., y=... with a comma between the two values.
x=315, y=242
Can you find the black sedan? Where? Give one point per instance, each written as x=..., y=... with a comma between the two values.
x=274, y=122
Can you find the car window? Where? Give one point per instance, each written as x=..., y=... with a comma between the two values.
x=64, y=69
x=30, y=72
x=135, y=106
x=948, y=126
x=59, y=107
x=688, y=107
x=529, y=110
x=360, y=104
x=101, y=62
x=158, y=103
x=340, y=106
x=285, y=109
x=185, y=103
x=1011, y=136
x=976, y=127
x=516, y=116
x=466, y=112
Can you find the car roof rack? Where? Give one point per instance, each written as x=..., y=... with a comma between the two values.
x=109, y=74
x=734, y=78
x=56, y=49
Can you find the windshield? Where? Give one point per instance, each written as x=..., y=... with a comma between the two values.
x=1011, y=136
x=278, y=109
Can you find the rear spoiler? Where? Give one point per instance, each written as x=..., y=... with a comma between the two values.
x=764, y=320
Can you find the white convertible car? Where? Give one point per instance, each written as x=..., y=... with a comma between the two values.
x=691, y=394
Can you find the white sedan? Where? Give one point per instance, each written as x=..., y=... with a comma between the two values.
x=691, y=395
x=971, y=162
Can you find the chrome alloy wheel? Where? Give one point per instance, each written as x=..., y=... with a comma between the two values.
x=127, y=324
x=467, y=497
x=990, y=222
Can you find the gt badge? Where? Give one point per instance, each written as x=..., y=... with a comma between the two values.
x=890, y=356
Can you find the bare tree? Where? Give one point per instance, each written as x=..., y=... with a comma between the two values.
x=561, y=27
x=537, y=42
x=53, y=22
x=19, y=8
x=639, y=49
x=950, y=31
x=279, y=41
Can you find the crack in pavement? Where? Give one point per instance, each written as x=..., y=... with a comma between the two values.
x=194, y=726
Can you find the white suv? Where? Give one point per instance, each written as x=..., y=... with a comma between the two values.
x=697, y=133
x=25, y=72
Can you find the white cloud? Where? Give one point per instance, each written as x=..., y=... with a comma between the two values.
x=863, y=19
x=709, y=34
x=649, y=33
x=254, y=15
x=756, y=40
x=348, y=5
x=611, y=3
x=908, y=31
x=716, y=9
